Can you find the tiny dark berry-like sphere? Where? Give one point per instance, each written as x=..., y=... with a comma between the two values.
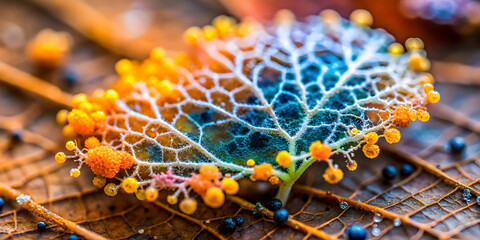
x=280, y=216
x=228, y=225
x=73, y=237
x=356, y=232
x=274, y=204
x=389, y=172
x=239, y=220
x=41, y=226
x=406, y=170
x=457, y=145
x=2, y=202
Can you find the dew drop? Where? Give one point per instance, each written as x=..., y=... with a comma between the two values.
x=397, y=222
x=378, y=217
x=343, y=205
x=478, y=200
x=141, y=231
x=466, y=195
x=375, y=231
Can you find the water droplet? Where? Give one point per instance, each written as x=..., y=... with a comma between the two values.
x=140, y=231
x=375, y=231
x=466, y=195
x=343, y=205
x=397, y=222
x=478, y=200
x=378, y=217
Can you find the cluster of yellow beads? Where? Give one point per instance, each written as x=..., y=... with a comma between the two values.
x=222, y=27
x=370, y=149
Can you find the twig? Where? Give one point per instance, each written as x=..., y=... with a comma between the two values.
x=364, y=206
x=34, y=85
x=291, y=222
x=92, y=24
x=458, y=73
x=42, y=212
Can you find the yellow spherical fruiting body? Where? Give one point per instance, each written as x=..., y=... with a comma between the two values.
x=75, y=173
x=140, y=194
x=92, y=142
x=188, y=206
x=433, y=96
x=172, y=199
x=395, y=49
x=392, y=135
x=352, y=165
x=423, y=115
x=78, y=99
x=371, y=151
x=413, y=44
x=110, y=189
x=68, y=132
x=129, y=184
x=284, y=159
x=330, y=16
x=214, y=197
x=209, y=171
x=111, y=96
x=361, y=17
x=333, y=175
x=371, y=138
x=262, y=172
x=230, y=186
x=60, y=157
x=151, y=194
x=62, y=117
x=99, y=181
x=427, y=87
x=354, y=131
x=70, y=145
x=320, y=151
x=250, y=163
x=273, y=180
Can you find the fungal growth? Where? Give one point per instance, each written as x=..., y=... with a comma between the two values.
x=247, y=100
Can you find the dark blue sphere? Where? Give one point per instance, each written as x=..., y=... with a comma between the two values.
x=70, y=76
x=389, y=172
x=356, y=232
x=2, y=202
x=228, y=225
x=457, y=145
x=73, y=237
x=406, y=170
x=239, y=220
x=274, y=204
x=41, y=226
x=280, y=216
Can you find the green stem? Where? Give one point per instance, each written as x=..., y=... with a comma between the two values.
x=289, y=179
